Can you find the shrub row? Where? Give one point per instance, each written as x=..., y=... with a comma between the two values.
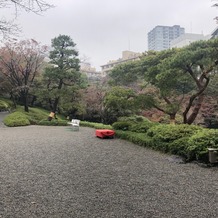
x=53, y=122
x=95, y=125
x=19, y=118
x=189, y=141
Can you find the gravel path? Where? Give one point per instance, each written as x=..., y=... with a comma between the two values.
x=53, y=172
x=2, y=116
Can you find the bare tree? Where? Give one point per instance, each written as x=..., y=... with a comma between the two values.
x=20, y=63
x=215, y=5
x=9, y=27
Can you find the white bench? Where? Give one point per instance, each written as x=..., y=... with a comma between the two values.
x=75, y=124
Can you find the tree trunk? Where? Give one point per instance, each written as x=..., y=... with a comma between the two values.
x=173, y=119
x=195, y=111
x=55, y=105
x=24, y=100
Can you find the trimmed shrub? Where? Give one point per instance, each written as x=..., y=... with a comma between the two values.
x=53, y=122
x=95, y=125
x=142, y=127
x=136, y=138
x=199, y=144
x=137, y=124
x=179, y=147
x=3, y=106
x=16, y=119
x=122, y=125
x=134, y=118
x=163, y=135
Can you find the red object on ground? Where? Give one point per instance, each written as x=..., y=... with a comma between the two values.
x=104, y=133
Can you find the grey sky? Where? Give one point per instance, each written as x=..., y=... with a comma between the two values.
x=102, y=29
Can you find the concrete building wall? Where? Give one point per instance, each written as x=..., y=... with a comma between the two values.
x=126, y=56
x=186, y=39
x=90, y=71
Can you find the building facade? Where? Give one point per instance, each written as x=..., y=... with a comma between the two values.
x=90, y=72
x=187, y=39
x=126, y=56
x=160, y=37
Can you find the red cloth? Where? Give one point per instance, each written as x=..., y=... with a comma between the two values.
x=104, y=133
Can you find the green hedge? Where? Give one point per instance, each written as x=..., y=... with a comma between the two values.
x=137, y=124
x=95, y=125
x=199, y=143
x=53, y=122
x=122, y=125
x=189, y=141
x=16, y=119
x=165, y=134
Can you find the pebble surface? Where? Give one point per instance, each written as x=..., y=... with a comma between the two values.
x=54, y=172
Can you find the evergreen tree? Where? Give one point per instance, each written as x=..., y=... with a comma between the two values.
x=62, y=79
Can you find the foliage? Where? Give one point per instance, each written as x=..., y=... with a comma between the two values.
x=163, y=135
x=61, y=80
x=133, y=123
x=134, y=118
x=20, y=62
x=118, y=102
x=188, y=141
x=92, y=99
x=122, y=125
x=95, y=125
x=142, y=127
x=54, y=122
x=199, y=144
x=16, y=119
x=175, y=79
x=179, y=147
x=33, y=117
x=137, y=138
x=125, y=74
x=4, y=106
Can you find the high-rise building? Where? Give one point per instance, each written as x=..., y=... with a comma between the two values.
x=160, y=37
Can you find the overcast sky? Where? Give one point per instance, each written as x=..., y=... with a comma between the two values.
x=102, y=29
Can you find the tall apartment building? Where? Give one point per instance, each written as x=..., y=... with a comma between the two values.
x=160, y=37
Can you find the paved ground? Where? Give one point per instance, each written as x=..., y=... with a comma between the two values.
x=53, y=172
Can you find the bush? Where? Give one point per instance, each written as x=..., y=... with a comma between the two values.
x=163, y=135
x=3, y=106
x=134, y=118
x=179, y=147
x=16, y=119
x=122, y=125
x=142, y=127
x=95, y=125
x=137, y=138
x=137, y=124
x=199, y=144
x=53, y=122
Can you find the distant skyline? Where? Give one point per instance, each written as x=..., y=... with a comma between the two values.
x=102, y=29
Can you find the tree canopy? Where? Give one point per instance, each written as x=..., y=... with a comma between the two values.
x=61, y=79
x=176, y=77
x=20, y=62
